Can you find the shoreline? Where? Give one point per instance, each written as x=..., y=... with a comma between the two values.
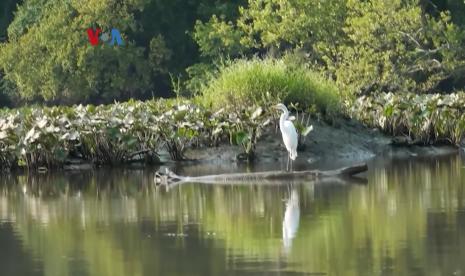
x=327, y=147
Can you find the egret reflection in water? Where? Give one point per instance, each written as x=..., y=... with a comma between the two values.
x=408, y=219
x=291, y=219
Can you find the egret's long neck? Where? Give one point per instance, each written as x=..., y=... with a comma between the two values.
x=283, y=118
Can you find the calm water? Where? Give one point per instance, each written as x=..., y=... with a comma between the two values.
x=409, y=219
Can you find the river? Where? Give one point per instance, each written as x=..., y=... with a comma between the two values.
x=407, y=219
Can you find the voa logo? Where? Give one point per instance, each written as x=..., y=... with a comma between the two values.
x=112, y=37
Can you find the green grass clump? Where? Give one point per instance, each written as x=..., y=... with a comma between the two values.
x=257, y=81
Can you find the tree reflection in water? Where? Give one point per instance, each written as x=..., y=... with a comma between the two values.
x=408, y=219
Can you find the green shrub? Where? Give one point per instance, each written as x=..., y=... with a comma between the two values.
x=38, y=137
x=263, y=81
x=425, y=119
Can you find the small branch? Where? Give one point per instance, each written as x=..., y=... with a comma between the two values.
x=411, y=38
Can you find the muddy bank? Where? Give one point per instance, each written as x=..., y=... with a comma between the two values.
x=327, y=146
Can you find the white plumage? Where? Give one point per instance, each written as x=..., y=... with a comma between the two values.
x=290, y=138
x=288, y=132
x=291, y=219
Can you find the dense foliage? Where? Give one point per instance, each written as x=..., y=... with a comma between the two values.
x=118, y=133
x=366, y=46
x=394, y=46
x=424, y=119
x=47, y=56
x=314, y=53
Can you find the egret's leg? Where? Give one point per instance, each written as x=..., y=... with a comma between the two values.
x=288, y=158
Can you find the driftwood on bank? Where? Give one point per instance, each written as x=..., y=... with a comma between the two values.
x=168, y=177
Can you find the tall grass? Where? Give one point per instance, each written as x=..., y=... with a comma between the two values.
x=257, y=81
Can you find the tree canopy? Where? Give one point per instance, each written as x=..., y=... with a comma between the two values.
x=365, y=46
x=48, y=58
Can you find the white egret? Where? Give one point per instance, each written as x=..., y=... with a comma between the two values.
x=289, y=134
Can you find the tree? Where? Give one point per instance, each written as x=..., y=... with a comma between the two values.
x=49, y=58
x=395, y=46
x=268, y=27
x=6, y=16
x=366, y=46
x=218, y=38
x=455, y=7
x=273, y=25
x=174, y=20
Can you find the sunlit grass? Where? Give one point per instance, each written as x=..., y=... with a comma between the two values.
x=242, y=82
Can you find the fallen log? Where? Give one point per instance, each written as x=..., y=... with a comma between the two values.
x=168, y=177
